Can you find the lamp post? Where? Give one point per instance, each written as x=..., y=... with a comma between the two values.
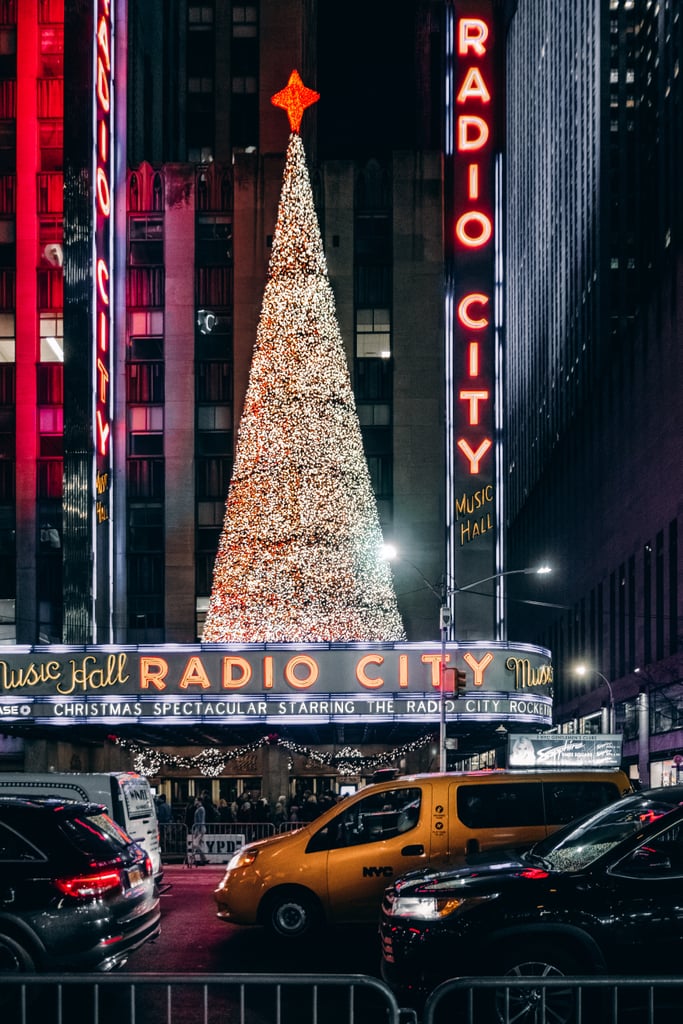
x=582, y=670
x=447, y=625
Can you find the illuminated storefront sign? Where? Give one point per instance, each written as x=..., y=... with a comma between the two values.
x=273, y=683
x=103, y=214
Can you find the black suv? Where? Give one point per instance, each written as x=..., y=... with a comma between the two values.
x=602, y=895
x=76, y=893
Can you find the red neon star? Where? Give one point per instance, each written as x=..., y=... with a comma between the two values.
x=294, y=98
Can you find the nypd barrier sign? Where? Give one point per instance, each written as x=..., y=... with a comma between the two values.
x=272, y=683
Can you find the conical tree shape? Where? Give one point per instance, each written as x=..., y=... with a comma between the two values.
x=299, y=557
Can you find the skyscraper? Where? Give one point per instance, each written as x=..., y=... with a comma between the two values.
x=594, y=409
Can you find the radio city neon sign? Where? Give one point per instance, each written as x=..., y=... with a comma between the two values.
x=103, y=215
x=473, y=226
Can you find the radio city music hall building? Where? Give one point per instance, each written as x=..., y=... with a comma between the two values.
x=138, y=235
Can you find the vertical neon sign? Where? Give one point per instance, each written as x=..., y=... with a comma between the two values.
x=473, y=228
x=103, y=212
x=472, y=314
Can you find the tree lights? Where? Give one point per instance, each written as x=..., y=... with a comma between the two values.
x=299, y=557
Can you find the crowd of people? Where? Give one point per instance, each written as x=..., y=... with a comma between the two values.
x=249, y=806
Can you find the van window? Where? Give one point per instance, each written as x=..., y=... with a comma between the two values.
x=376, y=817
x=138, y=797
x=502, y=804
x=568, y=800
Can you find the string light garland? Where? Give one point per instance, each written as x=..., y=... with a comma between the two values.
x=211, y=762
x=300, y=553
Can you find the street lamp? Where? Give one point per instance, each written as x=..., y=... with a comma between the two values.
x=582, y=670
x=447, y=624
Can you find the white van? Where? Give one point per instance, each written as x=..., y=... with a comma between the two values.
x=126, y=795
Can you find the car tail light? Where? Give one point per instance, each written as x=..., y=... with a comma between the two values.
x=89, y=886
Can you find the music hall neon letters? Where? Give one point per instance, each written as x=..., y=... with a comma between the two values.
x=473, y=228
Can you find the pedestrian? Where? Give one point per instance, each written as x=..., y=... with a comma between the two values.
x=224, y=811
x=209, y=806
x=164, y=814
x=199, y=831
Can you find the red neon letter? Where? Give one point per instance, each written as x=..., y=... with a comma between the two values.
x=472, y=240
x=474, y=458
x=472, y=34
x=103, y=332
x=103, y=377
x=474, y=398
x=102, y=434
x=103, y=39
x=473, y=132
x=473, y=181
x=464, y=311
x=102, y=86
x=473, y=360
x=473, y=88
x=103, y=280
x=103, y=196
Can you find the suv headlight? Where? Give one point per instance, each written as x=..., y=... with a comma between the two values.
x=432, y=908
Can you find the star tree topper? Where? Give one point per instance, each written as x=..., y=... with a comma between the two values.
x=294, y=98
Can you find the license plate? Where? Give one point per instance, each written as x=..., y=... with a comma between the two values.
x=135, y=876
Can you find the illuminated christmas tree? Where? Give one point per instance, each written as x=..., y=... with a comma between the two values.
x=299, y=558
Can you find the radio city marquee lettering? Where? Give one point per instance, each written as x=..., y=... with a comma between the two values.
x=473, y=273
x=103, y=212
x=503, y=680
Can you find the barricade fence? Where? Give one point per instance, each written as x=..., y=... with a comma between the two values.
x=199, y=999
x=556, y=1000
x=332, y=999
x=174, y=836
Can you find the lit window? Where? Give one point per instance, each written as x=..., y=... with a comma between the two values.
x=143, y=323
x=373, y=334
x=51, y=338
x=7, y=338
x=146, y=419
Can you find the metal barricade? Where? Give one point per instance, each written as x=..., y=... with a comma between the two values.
x=556, y=1000
x=199, y=999
x=174, y=836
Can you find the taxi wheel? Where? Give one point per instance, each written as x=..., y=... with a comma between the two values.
x=292, y=913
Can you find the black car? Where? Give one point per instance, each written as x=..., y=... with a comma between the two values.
x=76, y=893
x=602, y=895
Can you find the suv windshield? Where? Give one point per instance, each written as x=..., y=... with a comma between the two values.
x=578, y=845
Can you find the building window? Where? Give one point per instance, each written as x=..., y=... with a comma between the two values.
x=143, y=323
x=200, y=16
x=243, y=21
x=145, y=479
x=51, y=338
x=7, y=338
x=146, y=241
x=373, y=334
x=145, y=382
x=145, y=286
x=214, y=382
